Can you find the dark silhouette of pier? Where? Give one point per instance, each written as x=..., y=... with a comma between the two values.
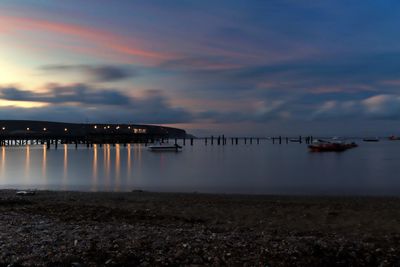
x=22, y=132
x=222, y=140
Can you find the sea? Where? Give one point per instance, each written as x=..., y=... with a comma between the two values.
x=373, y=168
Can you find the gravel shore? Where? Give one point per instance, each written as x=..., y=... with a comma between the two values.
x=153, y=229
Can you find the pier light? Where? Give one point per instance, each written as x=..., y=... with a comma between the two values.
x=65, y=129
x=95, y=126
x=44, y=129
x=108, y=127
x=28, y=129
x=105, y=127
x=117, y=127
x=3, y=128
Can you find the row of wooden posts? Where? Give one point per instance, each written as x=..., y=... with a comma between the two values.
x=222, y=140
x=218, y=140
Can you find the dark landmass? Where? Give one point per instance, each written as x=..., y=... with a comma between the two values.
x=152, y=229
x=31, y=129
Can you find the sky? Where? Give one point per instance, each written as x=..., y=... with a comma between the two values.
x=258, y=68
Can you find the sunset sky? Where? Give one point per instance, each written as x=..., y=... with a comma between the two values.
x=210, y=67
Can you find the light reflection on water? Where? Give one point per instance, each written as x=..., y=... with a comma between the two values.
x=264, y=168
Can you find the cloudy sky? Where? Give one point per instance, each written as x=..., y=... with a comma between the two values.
x=270, y=67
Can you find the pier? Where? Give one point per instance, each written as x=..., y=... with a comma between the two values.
x=19, y=133
x=51, y=134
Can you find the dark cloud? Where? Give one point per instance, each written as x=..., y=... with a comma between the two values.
x=342, y=71
x=59, y=94
x=103, y=73
x=372, y=72
x=94, y=104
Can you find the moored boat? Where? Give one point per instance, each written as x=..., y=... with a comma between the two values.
x=326, y=146
x=161, y=147
x=394, y=138
x=371, y=139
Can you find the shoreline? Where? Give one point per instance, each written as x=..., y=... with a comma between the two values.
x=156, y=228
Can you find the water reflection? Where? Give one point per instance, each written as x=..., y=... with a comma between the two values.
x=117, y=167
x=3, y=161
x=94, y=169
x=107, y=165
x=128, y=160
x=138, y=156
x=65, y=169
x=44, y=164
x=27, y=162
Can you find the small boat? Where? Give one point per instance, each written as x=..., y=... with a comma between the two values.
x=373, y=139
x=394, y=138
x=327, y=146
x=174, y=148
x=25, y=193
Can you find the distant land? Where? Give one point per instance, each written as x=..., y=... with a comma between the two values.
x=30, y=129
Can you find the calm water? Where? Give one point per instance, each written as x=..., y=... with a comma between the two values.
x=372, y=168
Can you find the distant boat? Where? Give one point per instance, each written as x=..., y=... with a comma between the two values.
x=160, y=148
x=372, y=139
x=394, y=138
x=327, y=146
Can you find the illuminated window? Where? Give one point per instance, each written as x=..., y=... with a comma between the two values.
x=139, y=130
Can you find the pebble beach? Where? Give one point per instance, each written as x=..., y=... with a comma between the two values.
x=56, y=228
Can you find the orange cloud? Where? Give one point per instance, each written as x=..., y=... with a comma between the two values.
x=103, y=40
